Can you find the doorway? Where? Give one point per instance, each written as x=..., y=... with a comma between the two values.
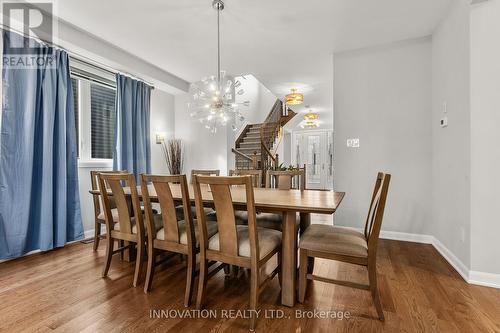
x=315, y=150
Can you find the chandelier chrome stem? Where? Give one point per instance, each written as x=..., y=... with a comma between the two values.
x=219, y=6
x=218, y=46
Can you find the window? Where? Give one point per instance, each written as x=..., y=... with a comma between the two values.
x=102, y=109
x=74, y=84
x=94, y=103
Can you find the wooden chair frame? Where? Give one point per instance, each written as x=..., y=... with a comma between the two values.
x=98, y=204
x=256, y=176
x=114, y=181
x=171, y=240
x=371, y=232
x=228, y=237
x=207, y=172
x=285, y=180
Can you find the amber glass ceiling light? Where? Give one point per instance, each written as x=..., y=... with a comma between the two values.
x=310, y=120
x=294, y=98
x=213, y=99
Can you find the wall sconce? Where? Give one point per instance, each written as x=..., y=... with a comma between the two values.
x=160, y=137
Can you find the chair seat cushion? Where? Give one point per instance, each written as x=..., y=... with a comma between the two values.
x=269, y=240
x=157, y=222
x=264, y=220
x=209, y=213
x=114, y=212
x=334, y=240
x=116, y=226
x=211, y=230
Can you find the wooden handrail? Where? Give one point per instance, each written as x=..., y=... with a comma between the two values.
x=245, y=156
x=268, y=132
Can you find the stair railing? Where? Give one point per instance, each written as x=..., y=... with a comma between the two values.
x=269, y=130
x=245, y=162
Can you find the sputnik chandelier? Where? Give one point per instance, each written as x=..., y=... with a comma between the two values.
x=213, y=99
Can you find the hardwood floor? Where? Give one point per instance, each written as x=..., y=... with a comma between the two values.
x=63, y=291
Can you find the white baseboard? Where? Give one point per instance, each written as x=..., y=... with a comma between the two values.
x=456, y=263
x=484, y=279
x=88, y=234
x=406, y=237
x=471, y=277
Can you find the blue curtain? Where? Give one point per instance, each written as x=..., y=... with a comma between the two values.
x=132, y=139
x=39, y=199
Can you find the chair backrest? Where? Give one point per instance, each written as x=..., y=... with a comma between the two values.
x=286, y=180
x=164, y=186
x=98, y=200
x=220, y=188
x=204, y=173
x=376, y=212
x=256, y=175
x=124, y=191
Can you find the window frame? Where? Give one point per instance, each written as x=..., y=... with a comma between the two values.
x=85, y=159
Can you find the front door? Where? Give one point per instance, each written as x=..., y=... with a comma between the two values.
x=313, y=149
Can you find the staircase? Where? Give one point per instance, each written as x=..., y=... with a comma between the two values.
x=248, y=145
x=254, y=147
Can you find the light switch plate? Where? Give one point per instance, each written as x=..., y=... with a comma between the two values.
x=443, y=122
x=353, y=143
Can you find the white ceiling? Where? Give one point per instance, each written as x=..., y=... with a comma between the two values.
x=284, y=43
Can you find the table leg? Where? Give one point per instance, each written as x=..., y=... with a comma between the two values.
x=289, y=259
x=305, y=222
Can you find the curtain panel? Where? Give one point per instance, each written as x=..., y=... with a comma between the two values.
x=132, y=136
x=39, y=198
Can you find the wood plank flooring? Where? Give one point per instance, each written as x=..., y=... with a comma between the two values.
x=62, y=291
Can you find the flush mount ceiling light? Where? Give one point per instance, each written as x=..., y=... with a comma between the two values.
x=294, y=98
x=310, y=120
x=213, y=99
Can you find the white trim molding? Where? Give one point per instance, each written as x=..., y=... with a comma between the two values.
x=406, y=237
x=456, y=263
x=484, y=279
x=469, y=276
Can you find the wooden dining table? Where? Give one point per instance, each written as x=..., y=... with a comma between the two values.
x=289, y=203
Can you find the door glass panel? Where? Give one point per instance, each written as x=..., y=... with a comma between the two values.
x=313, y=160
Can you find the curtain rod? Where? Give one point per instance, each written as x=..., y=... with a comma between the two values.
x=84, y=59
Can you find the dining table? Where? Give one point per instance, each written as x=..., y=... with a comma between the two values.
x=290, y=203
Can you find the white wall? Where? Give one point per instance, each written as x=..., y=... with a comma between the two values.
x=382, y=96
x=451, y=145
x=162, y=121
x=485, y=133
x=203, y=149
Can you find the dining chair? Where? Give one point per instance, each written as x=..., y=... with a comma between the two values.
x=248, y=247
x=265, y=220
x=347, y=245
x=256, y=176
x=99, y=215
x=209, y=212
x=173, y=236
x=129, y=225
x=286, y=179
x=206, y=172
